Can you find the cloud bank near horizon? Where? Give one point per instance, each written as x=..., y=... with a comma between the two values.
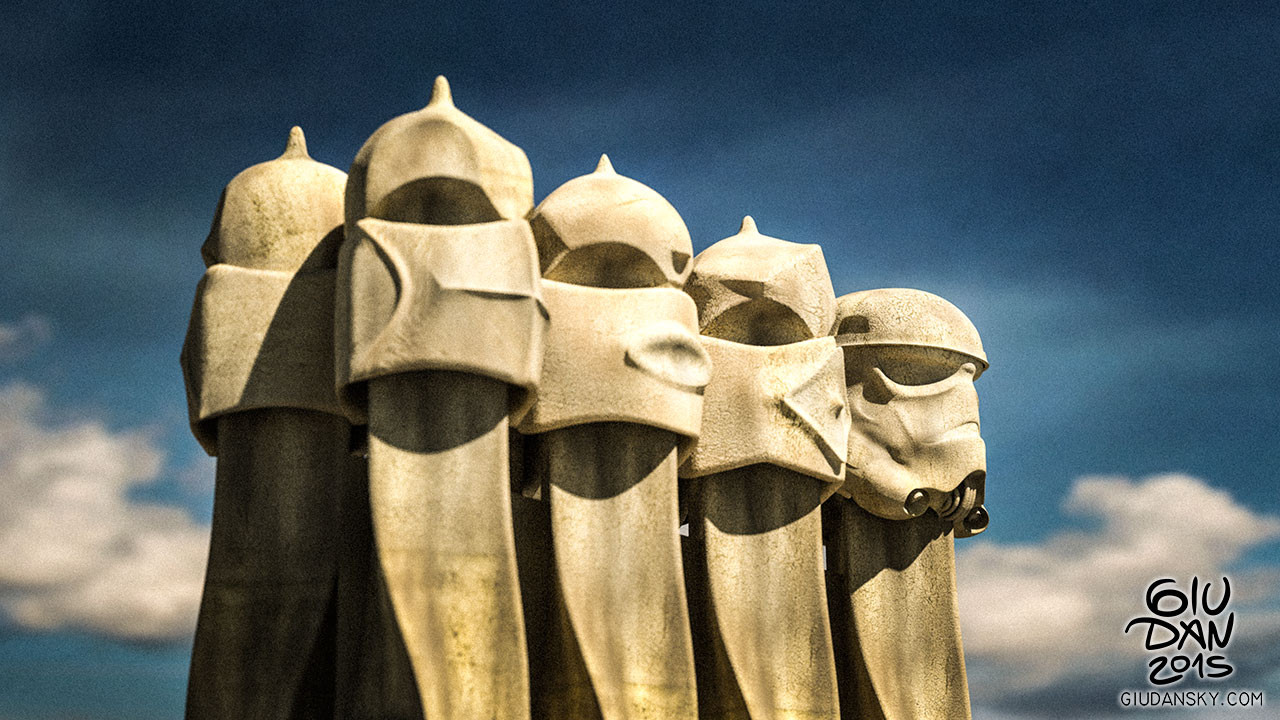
x=1044, y=622
x=77, y=552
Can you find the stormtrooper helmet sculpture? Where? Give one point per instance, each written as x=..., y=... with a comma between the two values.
x=911, y=359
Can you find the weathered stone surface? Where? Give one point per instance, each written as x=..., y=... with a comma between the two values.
x=438, y=166
x=425, y=298
x=463, y=298
x=439, y=328
x=441, y=508
x=780, y=405
x=894, y=616
x=258, y=339
x=910, y=362
x=259, y=385
x=606, y=230
x=772, y=448
x=759, y=290
x=373, y=676
x=264, y=641
x=261, y=331
x=619, y=636
x=647, y=364
x=917, y=469
x=280, y=215
x=621, y=391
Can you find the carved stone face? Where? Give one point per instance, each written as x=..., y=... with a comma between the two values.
x=910, y=361
x=914, y=441
x=776, y=396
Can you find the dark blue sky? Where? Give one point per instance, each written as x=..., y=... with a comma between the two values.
x=1096, y=184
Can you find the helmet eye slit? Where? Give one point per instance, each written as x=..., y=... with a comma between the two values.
x=917, y=366
x=916, y=373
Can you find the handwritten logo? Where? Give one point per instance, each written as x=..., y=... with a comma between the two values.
x=1201, y=631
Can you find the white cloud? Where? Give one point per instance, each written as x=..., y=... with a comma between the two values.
x=1040, y=616
x=75, y=550
x=21, y=338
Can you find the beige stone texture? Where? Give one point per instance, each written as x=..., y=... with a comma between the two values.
x=258, y=339
x=771, y=450
x=917, y=469
x=910, y=362
x=261, y=331
x=603, y=228
x=620, y=393
x=758, y=605
x=894, y=616
x=430, y=297
x=618, y=643
x=903, y=317
x=438, y=166
x=442, y=519
x=647, y=364
x=280, y=215
x=258, y=366
x=780, y=405
x=439, y=331
x=777, y=394
x=264, y=640
x=373, y=676
x=745, y=299
x=548, y=393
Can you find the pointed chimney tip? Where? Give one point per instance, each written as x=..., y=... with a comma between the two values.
x=748, y=226
x=604, y=166
x=296, y=147
x=440, y=93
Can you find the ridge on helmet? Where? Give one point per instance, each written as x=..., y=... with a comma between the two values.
x=907, y=318
x=604, y=229
x=438, y=166
x=276, y=215
x=762, y=290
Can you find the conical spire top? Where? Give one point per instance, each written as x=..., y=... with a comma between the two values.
x=748, y=226
x=604, y=166
x=441, y=95
x=296, y=147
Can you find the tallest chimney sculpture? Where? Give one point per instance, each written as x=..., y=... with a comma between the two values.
x=439, y=335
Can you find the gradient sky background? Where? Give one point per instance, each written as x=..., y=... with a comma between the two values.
x=1097, y=185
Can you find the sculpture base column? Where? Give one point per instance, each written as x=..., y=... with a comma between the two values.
x=374, y=677
x=894, y=615
x=264, y=644
x=440, y=495
x=621, y=628
x=764, y=645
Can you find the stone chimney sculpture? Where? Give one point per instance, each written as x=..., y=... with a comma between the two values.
x=916, y=477
x=772, y=449
x=258, y=362
x=621, y=396
x=457, y=436
x=439, y=343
